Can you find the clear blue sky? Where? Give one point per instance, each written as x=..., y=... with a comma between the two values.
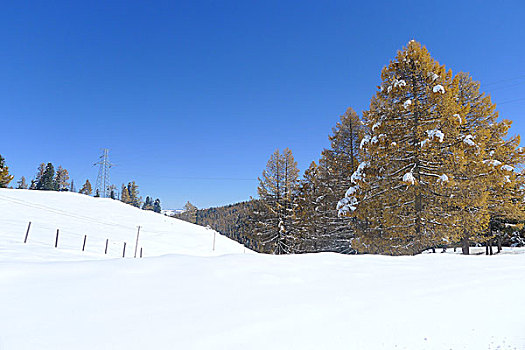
x=192, y=97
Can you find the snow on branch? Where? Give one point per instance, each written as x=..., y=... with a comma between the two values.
x=468, y=140
x=433, y=75
x=436, y=133
x=439, y=88
x=409, y=178
x=492, y=162
x=364, y=141
x=358, y=174
x=442, y=179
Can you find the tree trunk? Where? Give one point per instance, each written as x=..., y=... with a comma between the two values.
x=490, y=247
x=499, y=243
x=465, y=245
x=486, y=247
x=433, y=249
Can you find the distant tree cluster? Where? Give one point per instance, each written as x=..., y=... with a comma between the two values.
x=49, y=179
x=129, y=194
x=233, y=221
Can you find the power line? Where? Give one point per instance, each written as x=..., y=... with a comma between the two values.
x=511, y=101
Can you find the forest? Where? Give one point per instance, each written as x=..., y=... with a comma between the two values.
x=430, y=164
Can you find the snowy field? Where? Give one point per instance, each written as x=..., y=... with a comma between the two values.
x=197, y=298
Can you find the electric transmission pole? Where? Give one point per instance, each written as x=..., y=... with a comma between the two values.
x=103, y=173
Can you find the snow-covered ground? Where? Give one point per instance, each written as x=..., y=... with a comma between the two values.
x=76, y=215
x=194, y=298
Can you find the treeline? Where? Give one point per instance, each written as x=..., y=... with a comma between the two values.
x=47, y=179
x=429, y=165
x=233, y=221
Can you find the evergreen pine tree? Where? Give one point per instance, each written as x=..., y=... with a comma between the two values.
x=278, y=192
x=22, y=184
x=190, y=213
x=112, y=192
x=5, y=178
x=46, y=181
x=156, y=206
x=124, y=195
x=61, y=179
x=148, y=204
x=134, y=198
x=38, y=176
x=86, y=188
x=308, y=216
x=97, y=193
x=412, y=144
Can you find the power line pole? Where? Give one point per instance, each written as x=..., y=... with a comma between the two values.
x=103, y=173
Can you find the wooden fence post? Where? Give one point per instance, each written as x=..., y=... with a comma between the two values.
x=214, y=233
x=106, y=250
x=56, y=240
x=141, y=252
x=124, y=250
x=27, y=232
x=84, y=245
x=137, y=242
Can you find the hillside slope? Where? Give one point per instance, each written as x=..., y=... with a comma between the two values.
x=76, y=215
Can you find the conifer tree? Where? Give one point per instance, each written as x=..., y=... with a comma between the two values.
x=190, y=212
x=403, y=182
x=22, y=184
x=38, y=176
x=61, y=179
x=134, y=198
x=335, y=164
x=156, y=206
x=112, y=192
x=489, y=188
x=278, y=192
x=86, y=188
x=46, y=181
x=148, y=204
x=5, y=178
x=97, y=193
x=308, y=217
x=124, y=195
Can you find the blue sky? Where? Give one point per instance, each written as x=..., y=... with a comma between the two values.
x=192, y=97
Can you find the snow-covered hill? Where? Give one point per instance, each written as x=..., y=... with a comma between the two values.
x=76, y=215
x=194, y=298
